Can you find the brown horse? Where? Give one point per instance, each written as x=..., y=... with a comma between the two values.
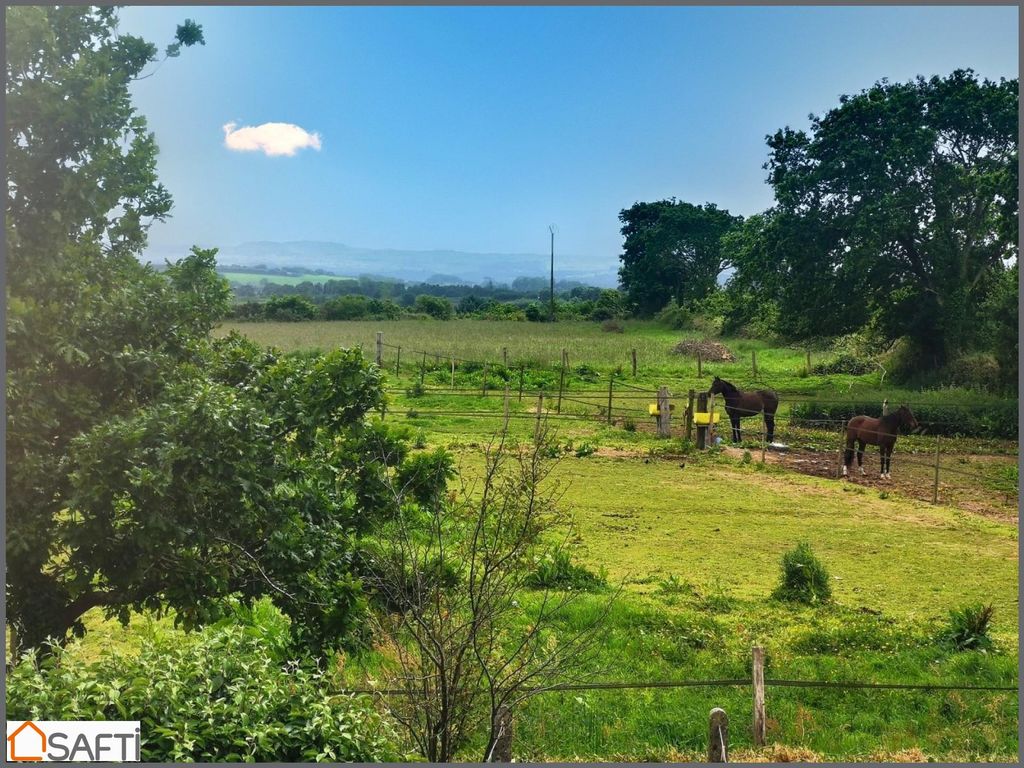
x=865, y=430
x=739, y=405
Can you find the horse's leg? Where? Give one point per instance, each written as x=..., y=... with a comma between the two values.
x=848, y=454
x=860, y=455
x=886, y=451
x=735, y=428
x=769, y=423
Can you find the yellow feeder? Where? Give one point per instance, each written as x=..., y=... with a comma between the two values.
x=703, y=419
x=652, y=409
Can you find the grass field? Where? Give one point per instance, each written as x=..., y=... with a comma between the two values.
x=694, y=540
x=253, y=278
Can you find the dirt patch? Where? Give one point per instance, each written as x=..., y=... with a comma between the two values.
x=710, y=351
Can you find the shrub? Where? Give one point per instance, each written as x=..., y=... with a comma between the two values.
x=436, y=307
x=557, y=571
x=190, y=692
x=629, y=425
x=535, y=313
x=978, y=371
x=613, y=326
x=804, y=578
x=585, y=449
x=291, y=308
x=346, y=308
x=675, y=317
x=847, y=363
x=968, y=628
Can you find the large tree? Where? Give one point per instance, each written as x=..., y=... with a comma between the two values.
x=916, y=185
x=671, y=251
x=148, y=466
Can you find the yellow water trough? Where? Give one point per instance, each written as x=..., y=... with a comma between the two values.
x=652, y=409
x=703, y=419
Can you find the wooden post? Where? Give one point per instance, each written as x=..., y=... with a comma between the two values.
x=565, y=358
x=758, y=680
x=506, y=407
x=453, y=371
x=711, y=422
x=935, y=489
x=700, y=367
x=718, y=736
x=611, y=383
x=501, y=751
x=398, y=360
x=423, y=368
x=380, y=347
x=764, y=438
x=702, y=429
x=483, y=385
x=634, y=362
x=540, y=409
x=842, y=445
x=561, y=387
x=664, y=413
x=504, y=356
x=689, y=415
x=753, y=360
x=522, y=372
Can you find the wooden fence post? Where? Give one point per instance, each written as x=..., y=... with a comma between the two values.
x=561, y=387
x=842, y=445
x=540, y=409
x=504, y=356
x=611, y=383
x=501, y=751
x=935, y=489
x=808, y=361
x=702, y=429
x=764, y=438
x=718, y=736
x=483, y=385
x=758, y=680
x=398, y=360
x=634, y=362
x=689, y=415
x=453, y=371
x=380, y=347
x=664, y=413
x=700, y=367
x=506, y=407
x=522, y=372
x=423, y=368
x=753, y=360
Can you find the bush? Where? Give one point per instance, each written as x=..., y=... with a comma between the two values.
x=847, y=363
x=557, y=571
x=436, y=307
x=979, y=372
x=675, y=317
x=291, y=308
x=613, y=326
x=804, y=578
x=224, y=694
x=968, y=628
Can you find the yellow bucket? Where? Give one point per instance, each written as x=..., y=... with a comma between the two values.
x=705, y=418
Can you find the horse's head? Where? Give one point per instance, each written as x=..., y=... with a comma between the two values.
x=907, y=418
x=717, y=386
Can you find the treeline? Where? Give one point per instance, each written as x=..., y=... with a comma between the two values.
x=579, y=303
x=895, y=221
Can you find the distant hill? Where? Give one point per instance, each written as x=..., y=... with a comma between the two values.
x=414, y=266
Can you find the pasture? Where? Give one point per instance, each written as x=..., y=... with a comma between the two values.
x=255, y=278
x=694, y=540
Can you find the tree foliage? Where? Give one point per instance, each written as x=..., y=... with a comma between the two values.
x=908, y=195
x=672, y=251
x=149, y=466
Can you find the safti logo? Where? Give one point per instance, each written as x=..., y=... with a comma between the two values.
x=73, y=741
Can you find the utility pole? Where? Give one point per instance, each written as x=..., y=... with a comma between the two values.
x=551, y=229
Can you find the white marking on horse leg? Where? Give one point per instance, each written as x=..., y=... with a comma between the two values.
x=844, y=470
x=862, y=470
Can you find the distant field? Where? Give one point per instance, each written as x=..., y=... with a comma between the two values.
x=253, y=278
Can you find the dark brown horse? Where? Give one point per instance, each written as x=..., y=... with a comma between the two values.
x=865, y=430
x=740, y=404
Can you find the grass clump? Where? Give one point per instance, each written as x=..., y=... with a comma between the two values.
x=556, y=570
x=804, y=578
x=968, y=628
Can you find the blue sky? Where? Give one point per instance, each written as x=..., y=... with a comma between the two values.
x=474, y=128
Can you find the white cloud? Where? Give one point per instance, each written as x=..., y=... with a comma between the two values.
x=272, y=139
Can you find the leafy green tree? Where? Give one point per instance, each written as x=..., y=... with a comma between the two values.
x=148, y=466
x=437, y=307
x=914, y=187
x=671, y=251
x=346, y=308
x=290, y=308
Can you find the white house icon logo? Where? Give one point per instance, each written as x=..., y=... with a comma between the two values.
x=73, y=741
x=27, y=743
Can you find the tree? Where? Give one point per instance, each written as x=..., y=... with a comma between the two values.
x=437, y=307
x=915, y=186
x=147, y=465
x=671, y=251
x=455, y=572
